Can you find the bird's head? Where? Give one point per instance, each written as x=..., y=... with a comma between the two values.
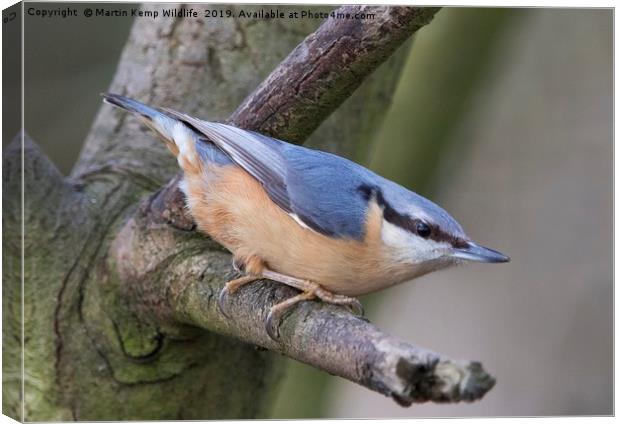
x=420, y=233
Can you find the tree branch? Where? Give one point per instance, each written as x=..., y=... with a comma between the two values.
x=322, y=71
x=333, y=340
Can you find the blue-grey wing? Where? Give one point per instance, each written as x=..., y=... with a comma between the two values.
x=324, y=191
x=319, y=189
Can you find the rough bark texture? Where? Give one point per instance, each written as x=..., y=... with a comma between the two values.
x=325, y=69
x=118, y=287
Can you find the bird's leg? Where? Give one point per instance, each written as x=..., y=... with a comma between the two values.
x=338, y=299
x=317, y=290
x=310, y=290
x=233, y=285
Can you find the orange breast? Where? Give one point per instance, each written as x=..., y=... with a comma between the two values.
x=233, y=208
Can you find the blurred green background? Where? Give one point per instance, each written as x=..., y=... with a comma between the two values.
x=503, y=117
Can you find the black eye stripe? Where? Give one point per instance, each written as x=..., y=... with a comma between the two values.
x=405, y=222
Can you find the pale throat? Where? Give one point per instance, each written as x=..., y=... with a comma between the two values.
x=408, y=248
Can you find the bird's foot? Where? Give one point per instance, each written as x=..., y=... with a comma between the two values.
x=356, y=307
x=230, y=288
x=352, y=303
x=274, y=318
x=310, y=290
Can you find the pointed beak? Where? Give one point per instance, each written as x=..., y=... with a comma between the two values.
x=476, y=253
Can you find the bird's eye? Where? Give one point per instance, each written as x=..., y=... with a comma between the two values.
x=423, y=230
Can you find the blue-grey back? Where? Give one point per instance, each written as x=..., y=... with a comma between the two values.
x=324, y=190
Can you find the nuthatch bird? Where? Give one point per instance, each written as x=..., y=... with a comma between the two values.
x=309, y=219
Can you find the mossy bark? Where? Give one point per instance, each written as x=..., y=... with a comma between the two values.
x=90, y=351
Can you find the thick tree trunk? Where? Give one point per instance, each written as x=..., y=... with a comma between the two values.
x=110, y=330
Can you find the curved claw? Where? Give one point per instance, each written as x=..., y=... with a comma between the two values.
x=220, y=301
x=272, y=323
x=356, y=308
x=230, y=288
x=238, y=266
x=273, y=328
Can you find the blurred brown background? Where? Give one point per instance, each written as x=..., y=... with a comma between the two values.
x=503, y=117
